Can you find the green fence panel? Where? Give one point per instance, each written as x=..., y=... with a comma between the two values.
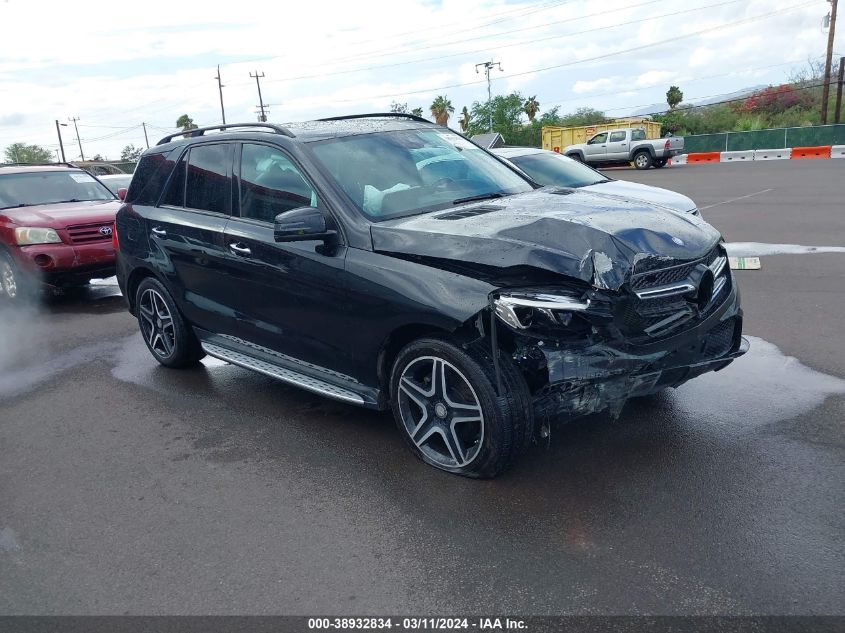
x=705, y=143
x=818, y=135
x=775, y=138
x=756, y=139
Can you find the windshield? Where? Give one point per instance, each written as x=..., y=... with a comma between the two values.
x=394, y=174
x=47, y=187
x=554, y=169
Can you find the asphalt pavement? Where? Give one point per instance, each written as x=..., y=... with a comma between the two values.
x=129, y=488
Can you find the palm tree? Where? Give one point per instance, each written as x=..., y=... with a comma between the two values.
x=186, y=123
x=464, y=120
x=441, y=108
x=531, y=107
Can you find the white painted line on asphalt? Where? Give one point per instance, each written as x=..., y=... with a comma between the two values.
x=757, y=249
x=750, y=195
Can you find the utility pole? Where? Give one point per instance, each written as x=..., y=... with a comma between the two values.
x=78, y=140
x=146, y=138
x=220, y=89
x=263, y=115
x=59, y=132
x=837, y=115
x=829, y=59
x=488, y=66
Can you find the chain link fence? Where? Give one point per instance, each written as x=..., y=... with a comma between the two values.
x=776, y=138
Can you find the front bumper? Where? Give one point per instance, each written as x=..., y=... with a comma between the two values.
x=60, y=264
x=592, y=378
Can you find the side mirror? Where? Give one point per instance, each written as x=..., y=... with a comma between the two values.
x=121, y=193
x=302, y=224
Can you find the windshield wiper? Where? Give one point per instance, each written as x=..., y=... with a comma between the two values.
x=482, y=196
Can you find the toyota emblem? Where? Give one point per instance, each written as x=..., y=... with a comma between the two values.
x=105, y=230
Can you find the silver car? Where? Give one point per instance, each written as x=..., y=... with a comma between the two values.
x=551, y=168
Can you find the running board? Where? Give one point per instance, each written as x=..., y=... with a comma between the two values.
x=289, y=376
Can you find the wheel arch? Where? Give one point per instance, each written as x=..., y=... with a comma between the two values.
x=409, y=332
x=133, y=280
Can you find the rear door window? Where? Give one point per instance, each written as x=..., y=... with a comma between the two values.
x=208, y=184
x=615, y=137
x=637, y=135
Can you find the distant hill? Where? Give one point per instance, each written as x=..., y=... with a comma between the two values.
x=660, y=108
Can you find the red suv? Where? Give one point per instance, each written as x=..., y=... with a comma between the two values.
x=56, y=226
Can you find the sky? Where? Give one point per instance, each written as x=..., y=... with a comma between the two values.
x=116, y=64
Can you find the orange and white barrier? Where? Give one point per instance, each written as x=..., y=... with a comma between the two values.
x=751, y=155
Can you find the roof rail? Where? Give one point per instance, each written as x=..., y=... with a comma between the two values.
x=38, y=164
x=200, y=131
x=373, y=115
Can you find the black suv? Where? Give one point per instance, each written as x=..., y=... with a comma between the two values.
x=389, y=262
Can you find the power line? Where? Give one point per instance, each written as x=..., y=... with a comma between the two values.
x=662, y=42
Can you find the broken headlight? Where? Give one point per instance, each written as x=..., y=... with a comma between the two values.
x=522, y=309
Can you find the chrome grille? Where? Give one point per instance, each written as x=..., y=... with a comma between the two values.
x=664, y=298
x=89, y=233
x=656, y=271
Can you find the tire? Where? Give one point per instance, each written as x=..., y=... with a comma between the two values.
x=660, y=163
x=493, y=431
x=643, y=160
x=14, y=288
x=166, y=334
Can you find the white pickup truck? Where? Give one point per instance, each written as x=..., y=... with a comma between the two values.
x=626, y=145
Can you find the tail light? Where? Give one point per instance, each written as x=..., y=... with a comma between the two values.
x=666, y=145
x=115, y=242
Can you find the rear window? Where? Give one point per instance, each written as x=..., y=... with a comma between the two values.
x=149, y=178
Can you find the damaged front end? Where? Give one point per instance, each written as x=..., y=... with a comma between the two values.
x=585, y=348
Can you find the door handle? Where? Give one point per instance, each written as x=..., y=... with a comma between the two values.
x=158, y=232
x=239, y=249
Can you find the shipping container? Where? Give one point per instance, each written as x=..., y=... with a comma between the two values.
x=557, y=138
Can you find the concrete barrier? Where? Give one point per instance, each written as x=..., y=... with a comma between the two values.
x=837, y=151
x=737, y=156
x=680, y=159
x=773, y=154
x=703, y=157
x=822, y=151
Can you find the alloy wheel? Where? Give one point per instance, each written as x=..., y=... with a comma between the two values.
x=157, y=323
x=441, y=412
x=8, y=283
x=641, y=160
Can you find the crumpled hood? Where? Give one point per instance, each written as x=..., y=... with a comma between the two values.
x=581, y=234
x=638, y=191
x=64, y=214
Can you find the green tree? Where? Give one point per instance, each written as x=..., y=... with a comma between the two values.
x=507, y=114
x=531, y=108
x=674, y=96
x=23, y=153
x=399, y=108
x=441, y=109
x=186, y=123
x=130, y=153
x=464, y=120
x=417, y=112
